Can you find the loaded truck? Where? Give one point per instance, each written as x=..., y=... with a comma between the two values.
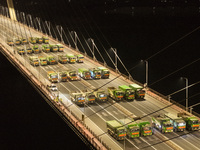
x=129, y=94
x=71, y=58
x=29, y=50
x=32, y=40
x=139, y=92
x=60, y=47
x=43, y=61
x=45, y=40
x=52, y=76
x=51, y=60
x=90, y=97
x=101, y=95
x=77, y=98
x=162, y=123
x=62, y=59
x=34, y=60
x=115, y=93
x=145, y=127
x=105, y=73
x=39, y=40
x=132, y=128
x=45, y=48
x=17, y=42
x=178, y=123
x=79, y=58
x=36, y=49
x=72, y=75
x=116, y=129
x=95, y=73
x=24, y=41
x=20, y=50
x=63, y=76
x=53, y=48
x=192, y=122
x=84, y=73
x=10, y=42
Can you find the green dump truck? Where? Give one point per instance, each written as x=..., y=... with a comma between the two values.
x=10, y=42
x=105, y=73
x=132, y=128
x=71, y=58
x=95, y=73
x=79, y=58
x=17, y=41
x=29, y=50
x=72, y=75
x=192, y=122
x=77, y=98
x=45, y=48
x=24, y=41
x=62, y=59
x=20, y=50
x=90, y=97
x=52, y=76
x=129, y=94
x=145, y=127
x=116, y=129
x=34, y=60
x=45, y=40
x=51, y=60
x=43, y=60
x=178, y=123
x=36, y=49
x=115, y=93
x=39, y=40
x=162, y=123
x=60, y=47
x=84, y=73
x=53, y=48
x=63, y=76
x=139, y=92
x=32, y=40
x=101, y=95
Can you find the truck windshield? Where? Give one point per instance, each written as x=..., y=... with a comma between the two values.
x=119, y=93
x=102, y=95
x=52, y=58
x=130, y=92
x=106, y=72
x=63, y=75
x=87, y=73
x=141, y=91
x=121, y=131
x=91, y=96
x=80, y=57
x=181, y=124
x=147, y=128
x=35, y=60
x=54, y=76
x=64, y=57
x=168, y=125
x=135, y=130
x=195, y=122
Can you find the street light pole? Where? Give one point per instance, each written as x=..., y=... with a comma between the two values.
x=186, y=95
x=147, y=65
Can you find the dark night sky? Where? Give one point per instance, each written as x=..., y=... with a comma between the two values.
x=29, y=123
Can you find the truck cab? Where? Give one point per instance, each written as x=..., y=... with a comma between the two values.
x=43, y=61
x=73, y=75
x=78, y=98
x=51, y=60
x=84, y=73
x=36, y=49
x=71, y=58
x=115, y=93
x=24, y=41
x=34, y=61
x=32, y=40
x=17, y=41
x=101, y=96
x=52, y=76
x=95, y=73
x=45, y=40
x=45, y=48
x=62, y=59
x=20, y=50
x=79, y=58
x=63, y=76
x=129, y=94
x=139, y=92
x=39, y=40
x=53, y=48
x=105, y=73
x=90, y=97
x=60, y=47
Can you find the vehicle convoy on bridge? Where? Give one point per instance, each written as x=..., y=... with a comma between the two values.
x=115, y=93
x=132, y=127
x=79, y=58
x=139, y=92
x=116, y=129
x=105, y=73
x=84, y=73
x=129, y=94
x=162, y=123
x=192, y=123
x=52, y=76
x=34, y=61
x=95, y=73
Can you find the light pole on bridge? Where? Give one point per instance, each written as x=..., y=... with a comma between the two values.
x=186, y=94
x=147, y=67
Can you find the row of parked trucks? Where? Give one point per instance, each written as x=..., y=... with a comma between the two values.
x=32, y=40
x=165, y=123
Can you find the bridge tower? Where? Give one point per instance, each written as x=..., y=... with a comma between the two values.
x=11, y=10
